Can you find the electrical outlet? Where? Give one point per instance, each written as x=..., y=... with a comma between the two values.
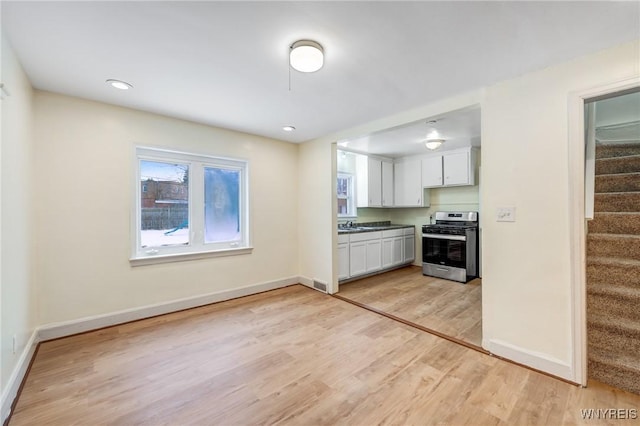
x=14, y=346
x=506, y=214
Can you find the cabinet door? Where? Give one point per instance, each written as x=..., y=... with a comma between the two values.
x=375, y=182
x=387, y=184
x=456, y=168
x=343, y=261
x=374, y=255
x=357, y=258
x=409, y=248
x=432, y=171
x=408, y=183
x=397, y=251
x=387, y=252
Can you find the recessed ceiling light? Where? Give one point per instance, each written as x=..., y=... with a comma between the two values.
x=288, y=128
x=119, y=84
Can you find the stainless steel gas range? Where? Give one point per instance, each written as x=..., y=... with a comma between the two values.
x=450, y=246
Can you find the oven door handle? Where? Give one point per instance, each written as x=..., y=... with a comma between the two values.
x=445, y=237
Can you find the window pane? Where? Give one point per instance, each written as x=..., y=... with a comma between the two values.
x=221, y=205
x=164, y=204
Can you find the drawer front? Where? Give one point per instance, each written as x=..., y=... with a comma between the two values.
x=365, y=236
x=393, y=233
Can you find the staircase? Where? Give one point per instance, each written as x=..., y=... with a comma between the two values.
x=613, y=269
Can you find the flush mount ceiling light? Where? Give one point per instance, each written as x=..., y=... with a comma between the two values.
x=288, y=128
x=306, y=56
x=434, y=143
x=119, y=84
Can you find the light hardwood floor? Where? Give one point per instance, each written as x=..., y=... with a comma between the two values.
x=289, y=356
x=451, y=308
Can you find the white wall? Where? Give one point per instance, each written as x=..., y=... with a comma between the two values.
x=527, y=282
x=84, y=168
x=16, y=281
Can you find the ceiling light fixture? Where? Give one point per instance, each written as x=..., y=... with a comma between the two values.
x=288, y=128
x=119, y=84
x=434, y=143
x=306, y=56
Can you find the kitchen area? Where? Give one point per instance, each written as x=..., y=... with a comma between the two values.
x=408, y=226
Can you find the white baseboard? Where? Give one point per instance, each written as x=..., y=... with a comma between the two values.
x=67, y=328
x=305, y=281
x=532, y=359
x=15, y=380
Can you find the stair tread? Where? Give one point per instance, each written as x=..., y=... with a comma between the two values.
x=612, y=261
x=604, y=356
x=607, y=321
x=617, y=193
x=611, y=236
x=604, y=175
x=632, y=156
x=620, y=290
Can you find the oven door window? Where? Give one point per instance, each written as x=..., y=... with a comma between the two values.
x=444, y=252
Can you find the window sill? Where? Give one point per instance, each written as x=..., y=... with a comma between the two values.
x=181, y=257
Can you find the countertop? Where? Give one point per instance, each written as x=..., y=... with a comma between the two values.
x=371, y=227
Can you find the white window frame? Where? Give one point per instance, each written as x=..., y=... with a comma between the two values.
x=351, y=195
x=196, y=248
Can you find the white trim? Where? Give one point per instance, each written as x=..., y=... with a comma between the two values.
x=180, y=257
x=306, y=281
x=532, y=359
x=67, y=328
x=15, y=380
x=577, y=225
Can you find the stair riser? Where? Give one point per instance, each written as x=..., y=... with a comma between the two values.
x=618, y=165
x=610, y=151
x=618, y=183
x=615, y=224
x=616, y=376
x=626, y=248
x=615, y=341
x=626, y=202
x=625, y=309
x=606, y=274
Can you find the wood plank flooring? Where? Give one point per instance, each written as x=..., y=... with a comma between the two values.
x=290, y=356
x=451, y=308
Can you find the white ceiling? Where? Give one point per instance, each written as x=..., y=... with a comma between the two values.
x=225, y=63
x=458, y=128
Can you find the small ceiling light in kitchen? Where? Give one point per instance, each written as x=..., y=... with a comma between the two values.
x=288, y=128
x=306, y=56
x=119, y=84
x=434, y=143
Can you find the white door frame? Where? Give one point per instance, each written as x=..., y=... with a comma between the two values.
x=577, y=222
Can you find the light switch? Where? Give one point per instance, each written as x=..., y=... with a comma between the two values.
x=506, y=214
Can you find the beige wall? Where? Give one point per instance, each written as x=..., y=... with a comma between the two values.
x=527, y=282
x=526, y=277
x=84, y=192
x=16, y=281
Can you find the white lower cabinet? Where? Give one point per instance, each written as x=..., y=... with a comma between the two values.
x=343, y=261
x=409, y=246
x=368, y=252
x=374, y=255
x=357, y=258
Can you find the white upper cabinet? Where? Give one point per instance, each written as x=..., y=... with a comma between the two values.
x=432, y=171
x=408, y=188
x=374, y=181
x=387, y=184
x=455, y=168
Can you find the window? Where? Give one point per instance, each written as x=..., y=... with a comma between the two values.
x=188, y=206
x=346, y=195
